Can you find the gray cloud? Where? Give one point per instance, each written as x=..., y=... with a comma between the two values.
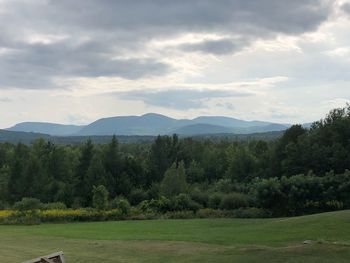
x=217, y=47
x=35, y=65
x=229, y=15
x=98, y=31
x=346, y=8
x=181, y=99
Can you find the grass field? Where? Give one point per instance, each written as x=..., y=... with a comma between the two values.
x=196, y=240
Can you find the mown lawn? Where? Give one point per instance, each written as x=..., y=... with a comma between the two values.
x=197, y=240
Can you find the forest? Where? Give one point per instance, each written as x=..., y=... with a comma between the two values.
x=304, y=171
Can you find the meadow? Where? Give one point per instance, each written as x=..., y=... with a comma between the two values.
x=192, y=240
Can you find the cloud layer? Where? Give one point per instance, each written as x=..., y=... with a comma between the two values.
x=182, y=99
x=175, y=57
x=46, y=40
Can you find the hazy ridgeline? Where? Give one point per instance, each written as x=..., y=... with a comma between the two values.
x=301, y=172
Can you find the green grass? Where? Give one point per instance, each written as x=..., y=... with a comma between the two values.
x=197, y=240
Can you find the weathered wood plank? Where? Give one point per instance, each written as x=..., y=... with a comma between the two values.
x=52, y=258
x=46, y=260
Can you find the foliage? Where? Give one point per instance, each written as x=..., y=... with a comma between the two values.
x=183, y=202
x=28, y=204
x=174, y=181
x=100, y=197
x=233, y=201
x=122, y=204
x=137, y=196
x=303, y=171
x=215, y=200
x=54, y=206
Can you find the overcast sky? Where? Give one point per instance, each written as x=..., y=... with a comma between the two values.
x=74, y=61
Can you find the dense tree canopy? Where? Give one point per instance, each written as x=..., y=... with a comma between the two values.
x=303, y=171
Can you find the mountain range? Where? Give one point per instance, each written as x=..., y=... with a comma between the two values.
x=152, y=124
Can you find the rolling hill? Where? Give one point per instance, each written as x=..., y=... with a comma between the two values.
x=148, y=124
x=152, y=124
x=47, y=128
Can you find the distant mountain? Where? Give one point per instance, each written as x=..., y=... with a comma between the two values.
x=228, y=122
x=46, y=128
x=155, y=124
x=263, y=128
x=152, y=124
x=24, y=137
x=148, y=124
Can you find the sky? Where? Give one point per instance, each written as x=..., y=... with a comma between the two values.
x=73, y=62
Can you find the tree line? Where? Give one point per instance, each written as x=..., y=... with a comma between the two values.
x=304, y=171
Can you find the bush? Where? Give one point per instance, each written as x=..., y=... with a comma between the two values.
x=201, y=198
x=233, y=201
x=137, y=196
x=122, y=204
x=79, y=215
x=160, y=205
x=54, y=206
x=27, y=204
x=27, y=212
x=163, y=204
x=215, y=200
x=23, y=218
x=183, y=202
x=145, y=207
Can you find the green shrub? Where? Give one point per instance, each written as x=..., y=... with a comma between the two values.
x=28, y=204
x=183, y=202
x=215, y=200
x=201, y=198
x=122, y=204
x=23, y=218
x=54, y=206
x=137, y=196
x=26, y=212
x=233, y=201
x=163, y=204
x=160, y=205
x=145, y=207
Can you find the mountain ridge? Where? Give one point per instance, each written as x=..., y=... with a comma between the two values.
x=46, y=128
x=151, y=124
